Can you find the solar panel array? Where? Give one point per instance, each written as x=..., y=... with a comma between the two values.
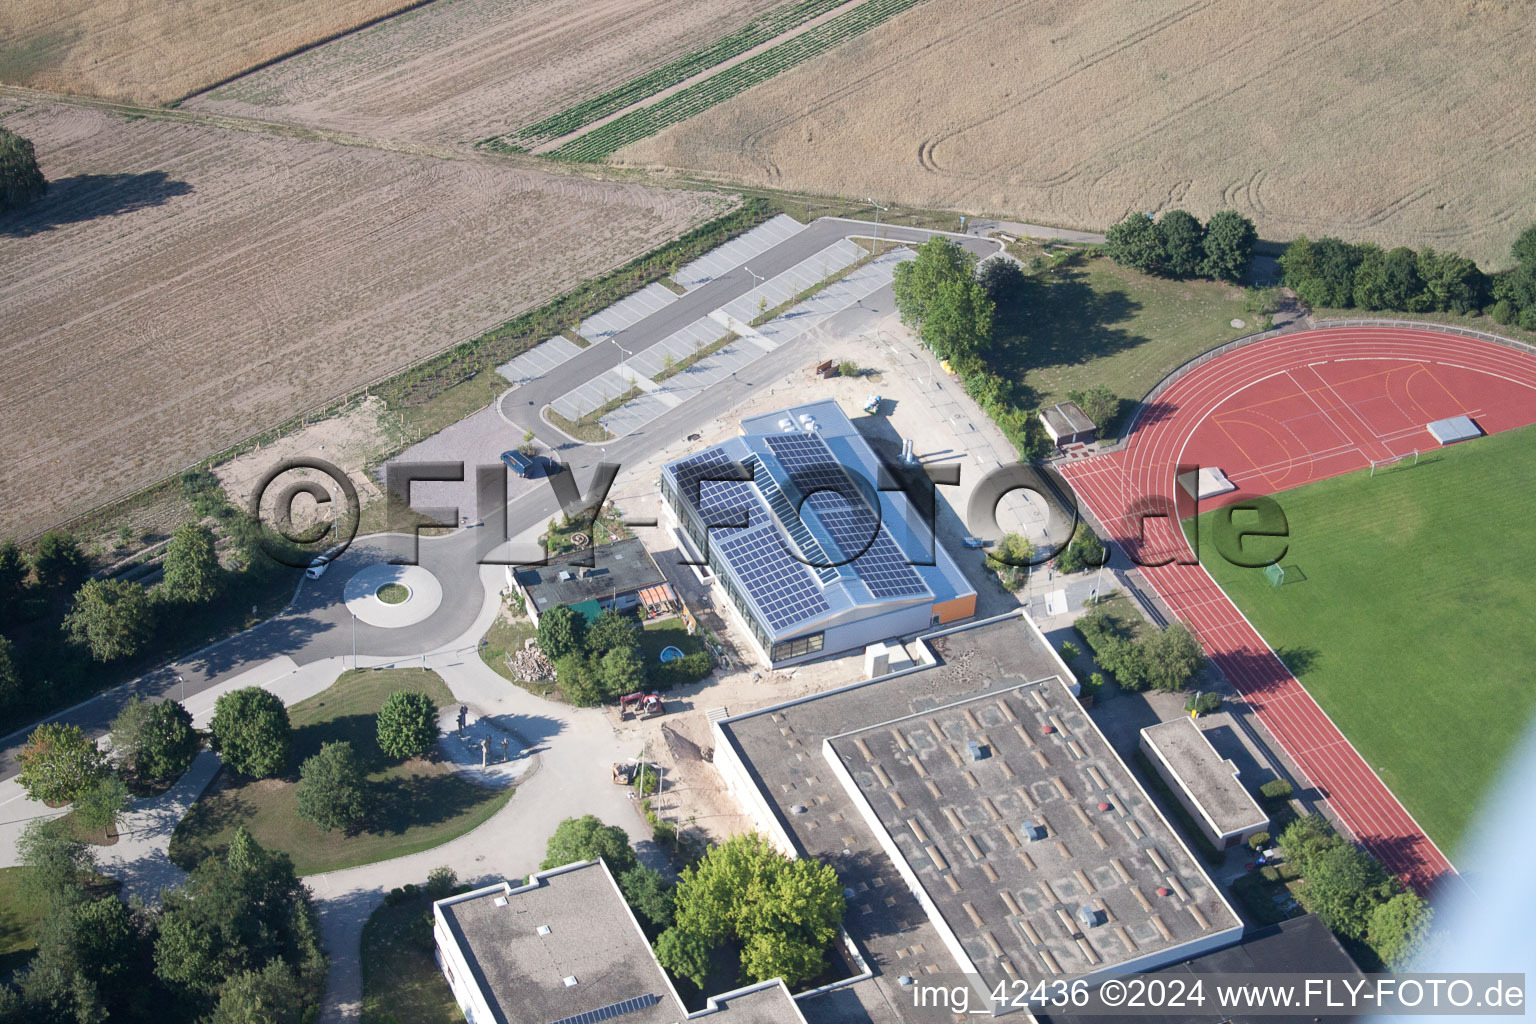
x=822, y=565
x=612, y=1010
x=782, y=588
x=840, y=506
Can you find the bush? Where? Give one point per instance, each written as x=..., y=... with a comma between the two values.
x=1085, y=552
x=407, y=724
x=847, y=368
x=1069, y=650
x=1276, y=789
x=441, y=882
x=1093, y=685
x=99, y=806
x=332, y=792
x=1206, y=703
x=58, y=763
x=690, y=668
x=251, y=732
x=1258, y=840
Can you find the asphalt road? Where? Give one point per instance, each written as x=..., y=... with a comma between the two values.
x=317, y=625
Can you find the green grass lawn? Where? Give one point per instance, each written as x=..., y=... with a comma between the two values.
x=1092, y=322
x=657, y=636
x=416, y=804
x=401, y=980
x=1411, y=626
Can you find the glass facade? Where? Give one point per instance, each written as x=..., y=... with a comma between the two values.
x=797, y=647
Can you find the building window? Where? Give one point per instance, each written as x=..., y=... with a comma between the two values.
x=798, y=647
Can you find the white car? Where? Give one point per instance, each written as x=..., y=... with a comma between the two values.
x=317, y=570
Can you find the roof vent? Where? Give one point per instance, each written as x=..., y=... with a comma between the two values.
x=1033, y=831
x=797, y=809
x=977, y=751
x=1163, y=890
x=906, y=980
x=1048, y=729
x=570, y=981
x=500, y=901
x=786, y=423
x=1103, y=805
x=1091, y=917
x=564, y=575
x=542, y=929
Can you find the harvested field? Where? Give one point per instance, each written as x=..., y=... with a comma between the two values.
x=182, y=287
x=470, y=69
x=156, y=53
x=1402, y=122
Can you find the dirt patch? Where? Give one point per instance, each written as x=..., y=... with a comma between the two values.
x=468, y=70
x=182, y=287
x=1347, y=118
x=158, y=52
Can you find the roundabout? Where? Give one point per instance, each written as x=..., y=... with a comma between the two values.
x=393, y=596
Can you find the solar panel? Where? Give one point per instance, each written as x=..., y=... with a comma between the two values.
x=612, y=1010
x=840, y=506
x=721, y=503
x=822, y=564
x=782, y=588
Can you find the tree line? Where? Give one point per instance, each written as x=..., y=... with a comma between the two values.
x=60, y=625
x=1177, y=245
x=600, y=662
x=1329, y=272
x=237, y=943
x=1354, y=895
x=1164, y=660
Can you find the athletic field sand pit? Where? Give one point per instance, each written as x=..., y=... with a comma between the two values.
x=1402, y=122
x=157, y=51
x=470, y=69
x=183, y=287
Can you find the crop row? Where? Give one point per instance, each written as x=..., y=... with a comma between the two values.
x=756, y=32
x=685, y=103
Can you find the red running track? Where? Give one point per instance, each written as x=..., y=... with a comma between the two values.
x=1274, y=415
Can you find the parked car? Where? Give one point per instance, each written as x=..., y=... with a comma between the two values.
x=317, y=570
x=518, y=462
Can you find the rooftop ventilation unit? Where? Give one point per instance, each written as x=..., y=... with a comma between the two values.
x=570, y=981
x=785, y=423
x=542, y=929
x=500, y=901
x=1033, y=831
x=1090, y=917
x=977, y=751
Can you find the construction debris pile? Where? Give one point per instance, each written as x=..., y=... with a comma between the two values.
x=530, y=664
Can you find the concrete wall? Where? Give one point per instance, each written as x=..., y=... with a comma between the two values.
x=452, y=962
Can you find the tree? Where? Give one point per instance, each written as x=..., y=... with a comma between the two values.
x=783, y=913
x=85, y=962
x=269, y=996
x=916, y=283
x=58, y=763
x=1134, y=243
x=191, y=565
x=14, y=571
x=60, y=863
x=1085, y=552
x=649, y=894
x=1306, y=838
x=59, y=564
x=1002, y=280
x=332, y=791
x=1010, y=559
x=155, y=739
x=113, y=618
x=621, y=671
x=407, y=724
x=1172, y=657
x=10, y=677
x=1229, y=239
x=685, y=954
x=21, y=180
x=236, y=913
x=101, y=804
x=577, y=676
x=1098, y=403
x=1069, y=650
x=1399, y=929
x=958, y=323
x=251, y=732
x=587, y=838
x=441, y=881
x=1451, y=282
x=613, y=630
x=561, y=632
x=1322, y=273
x=1342, y=886
x=1182, y=241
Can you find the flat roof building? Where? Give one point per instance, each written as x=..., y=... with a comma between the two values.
x=566, y=949
x=981, y=820
x=1067, y=424
x=619, y=575
x=815, y=544
x=1204, y=782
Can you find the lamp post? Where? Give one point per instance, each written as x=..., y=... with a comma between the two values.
x=354, y=640
x=623, y=352
x=878, y=208
x=183, y=681
x=759, y=278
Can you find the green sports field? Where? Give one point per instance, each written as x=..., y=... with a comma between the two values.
x=1407, y=613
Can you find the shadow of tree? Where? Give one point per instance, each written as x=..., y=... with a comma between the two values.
x=1300, y=660
x=400, y=802
x=219, y=810
x=83, y=197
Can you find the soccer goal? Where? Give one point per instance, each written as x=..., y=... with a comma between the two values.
x=1409, y=459
x=1274, y=574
